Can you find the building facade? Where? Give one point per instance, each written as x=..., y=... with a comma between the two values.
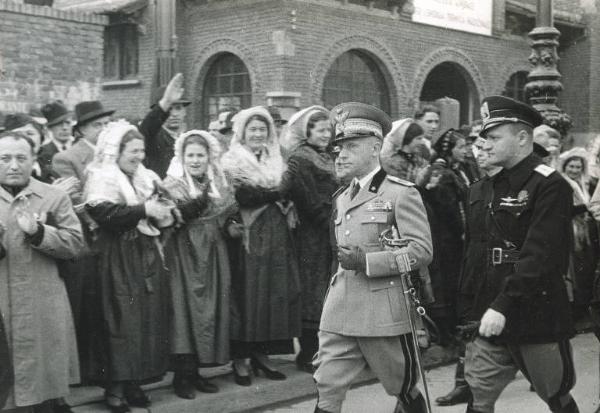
x=393, y=54
x=48, y=54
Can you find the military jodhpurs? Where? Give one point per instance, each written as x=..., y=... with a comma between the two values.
x=342, y=358
x=489, y=368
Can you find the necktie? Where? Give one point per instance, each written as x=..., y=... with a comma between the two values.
x=354, y=190
x=64, y=147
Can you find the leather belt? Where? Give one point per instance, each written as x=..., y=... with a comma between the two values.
x=499, y=256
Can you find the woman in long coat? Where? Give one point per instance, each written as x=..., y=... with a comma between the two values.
x=444, y=191
x=198, y=260
x=120, y=197
x=310, y=182
x=265, y=284
x=573, y=166
x=33, y=299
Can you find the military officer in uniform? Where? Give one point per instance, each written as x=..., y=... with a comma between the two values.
x=521, y=218
x=365, y=319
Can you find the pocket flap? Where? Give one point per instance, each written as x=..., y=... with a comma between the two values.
x=374, y=217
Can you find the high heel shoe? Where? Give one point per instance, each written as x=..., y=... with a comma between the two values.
x=239, y=379
x=135, y=396
x=269, y=374
x=122, y=407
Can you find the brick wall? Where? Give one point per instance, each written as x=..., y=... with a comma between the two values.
x=47, y=54
x=131, y=99
x=406, y=51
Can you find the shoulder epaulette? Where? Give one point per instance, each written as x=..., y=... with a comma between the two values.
x=339, y=191
x=544, y=170
x=400, y=181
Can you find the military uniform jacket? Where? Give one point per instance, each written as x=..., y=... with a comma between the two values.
x=526, y=209
x=361, y=305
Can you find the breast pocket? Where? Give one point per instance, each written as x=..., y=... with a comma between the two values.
x=372, y=225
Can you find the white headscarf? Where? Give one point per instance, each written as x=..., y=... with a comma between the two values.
x=107, y=182
x=580, y=190
x=296, y=129
x=213, y=173
x=242, y=166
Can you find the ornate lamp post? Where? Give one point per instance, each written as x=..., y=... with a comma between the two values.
x=544, y=83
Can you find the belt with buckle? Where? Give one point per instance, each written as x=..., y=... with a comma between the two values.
x=499, y=256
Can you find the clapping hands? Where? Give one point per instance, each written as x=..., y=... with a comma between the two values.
x=71, y=185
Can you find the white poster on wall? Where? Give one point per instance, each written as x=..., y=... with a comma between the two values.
x=474, y=16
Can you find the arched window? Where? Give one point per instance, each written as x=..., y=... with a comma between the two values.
x=354, y=76
x=227, y=84
x=515, y=87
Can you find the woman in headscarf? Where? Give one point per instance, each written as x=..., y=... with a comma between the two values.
x=402, y=149
x=121, y=197
x=573, y=165
x=310, y=182
x=450, y=151
x=265, y=283
x=197, y=258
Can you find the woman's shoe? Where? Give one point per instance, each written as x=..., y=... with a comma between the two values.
x=204, y=385
x=269, y=374
x=183, y=386
x=119, y=407
x=135, y=396
x=239, y=379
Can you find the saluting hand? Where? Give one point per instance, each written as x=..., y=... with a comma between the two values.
x=351, y=257
x=173, y=92
x=492, y=323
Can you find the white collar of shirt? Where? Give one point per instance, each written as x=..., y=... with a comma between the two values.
x=60, y=145
x=364, y=181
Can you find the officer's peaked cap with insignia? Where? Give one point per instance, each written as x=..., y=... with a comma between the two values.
x=498, y=110
x=359, y=120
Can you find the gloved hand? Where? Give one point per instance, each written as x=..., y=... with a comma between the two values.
x=351, y=257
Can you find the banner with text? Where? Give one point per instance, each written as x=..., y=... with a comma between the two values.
x=474, y=16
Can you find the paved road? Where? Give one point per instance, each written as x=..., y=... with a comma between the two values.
x=516, y=398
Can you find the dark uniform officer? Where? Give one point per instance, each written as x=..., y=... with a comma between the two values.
x=519, y=226
x=365, y=319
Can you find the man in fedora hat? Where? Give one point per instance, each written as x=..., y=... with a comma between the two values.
x=91, y=117
x=365, y=319
x=60, y=127
x=163, y=124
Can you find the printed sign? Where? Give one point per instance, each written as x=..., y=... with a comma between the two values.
x=474, y=16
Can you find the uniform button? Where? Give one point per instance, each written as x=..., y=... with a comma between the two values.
x=372, y=218
x=348, y=216
x=391, y=283
x=347, y=232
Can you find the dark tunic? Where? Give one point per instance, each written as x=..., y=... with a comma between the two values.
x=446, y=204
x=265, y=283
x=135, y=296
x=160, y=145
x=528, y=211
x=200, y=279
x=310, y=182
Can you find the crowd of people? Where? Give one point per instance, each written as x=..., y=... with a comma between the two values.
x=133, y=250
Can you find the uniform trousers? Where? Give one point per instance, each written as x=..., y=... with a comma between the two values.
x=341, y=359
x=490, y=367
